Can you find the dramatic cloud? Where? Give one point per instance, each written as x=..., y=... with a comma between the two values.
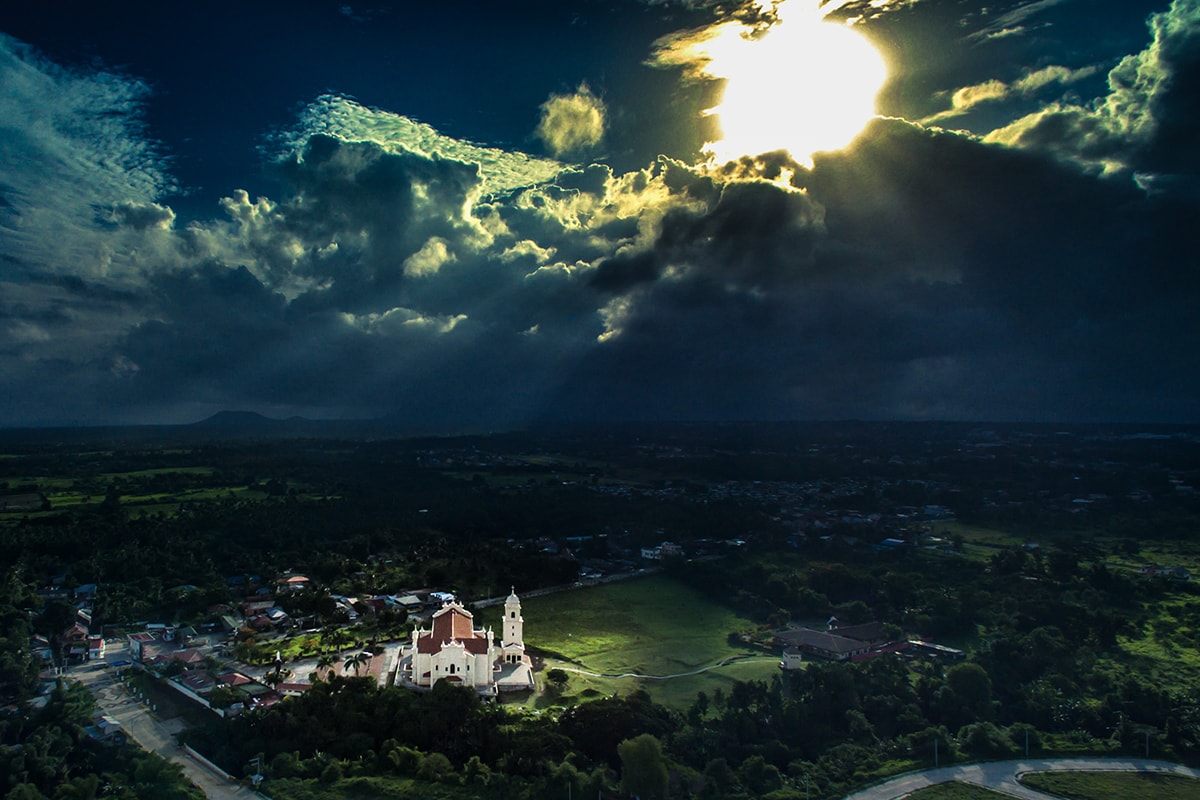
x=572, y=123
x=1036, y=268
x=1012, y=22
x=345, y=120
x=1149, y=96
x=995, y=91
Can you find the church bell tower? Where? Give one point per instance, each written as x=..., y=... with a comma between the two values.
x=514, y=624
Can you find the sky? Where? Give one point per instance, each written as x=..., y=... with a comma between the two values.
x=481, y=216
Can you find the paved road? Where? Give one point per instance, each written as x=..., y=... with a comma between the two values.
x=1002, y=775
x=151, y=734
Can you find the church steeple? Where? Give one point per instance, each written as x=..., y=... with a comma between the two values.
x=513, y=622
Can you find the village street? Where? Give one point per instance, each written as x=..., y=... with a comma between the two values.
x=1003, y=775
x=114, y=700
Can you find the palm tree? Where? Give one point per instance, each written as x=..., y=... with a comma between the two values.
x=323, y=664
x=357, y=659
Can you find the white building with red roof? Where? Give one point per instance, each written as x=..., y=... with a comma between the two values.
x=454, y=650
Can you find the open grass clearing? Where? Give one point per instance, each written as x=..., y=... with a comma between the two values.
x=953, y=790
x=45, y=485
x=1108, y=785
x=145, y=473
x=649, y=626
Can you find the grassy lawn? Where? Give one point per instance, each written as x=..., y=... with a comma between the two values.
x=952, y=790
x=976, y=535
x=1107, y=785
x=649, y=626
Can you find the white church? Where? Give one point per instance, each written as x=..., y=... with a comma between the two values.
x=454, y=650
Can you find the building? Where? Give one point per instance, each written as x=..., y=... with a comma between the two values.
x=824, y=644
x=454, y=650
x=793, y=658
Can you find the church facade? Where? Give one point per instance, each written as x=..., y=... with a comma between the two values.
x=454, y=650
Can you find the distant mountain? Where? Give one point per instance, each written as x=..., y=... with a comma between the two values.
x=245, y=419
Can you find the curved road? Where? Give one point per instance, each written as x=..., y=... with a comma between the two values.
x=1002, y=776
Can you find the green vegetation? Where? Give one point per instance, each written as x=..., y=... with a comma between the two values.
x=47, y=751
x=1107, y=785
x=650, y=626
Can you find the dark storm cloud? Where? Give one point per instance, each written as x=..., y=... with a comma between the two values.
x=755, y=235
x=1045, y=273
x=950, y=278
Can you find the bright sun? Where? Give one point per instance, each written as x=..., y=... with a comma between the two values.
x=806, y=85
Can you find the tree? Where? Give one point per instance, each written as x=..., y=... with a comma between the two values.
x=557, y=678
x=643, y=767
x=56, y=617
x=326, y=661
x=435, y=767
x=972, y=687
x=758, y=776
x=356, y=660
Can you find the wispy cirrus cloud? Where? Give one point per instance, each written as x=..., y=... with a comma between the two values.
x=74, y=155
x=1028, y=85
x=1013, y=22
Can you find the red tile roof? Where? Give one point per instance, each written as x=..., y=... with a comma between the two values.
x=452, y=624
x=234, y=679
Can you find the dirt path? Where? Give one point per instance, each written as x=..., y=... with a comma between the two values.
x=725, y=662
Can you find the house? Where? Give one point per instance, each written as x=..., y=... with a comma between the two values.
x=145, y=646
x=870, y=632
x=96, y=647
x=107, y=730
x=932, y=650
x=199, y=681
x=294, y=583
x=409, y=602
x=454, y=650
x=74, y=643
x=825, y=644
x=234, y=679
x=1171, y=573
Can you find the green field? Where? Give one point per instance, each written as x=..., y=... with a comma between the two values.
x=1107, y=785
x=952, y=790
x=651, y=626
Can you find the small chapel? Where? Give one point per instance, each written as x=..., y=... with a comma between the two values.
x=454, y=650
